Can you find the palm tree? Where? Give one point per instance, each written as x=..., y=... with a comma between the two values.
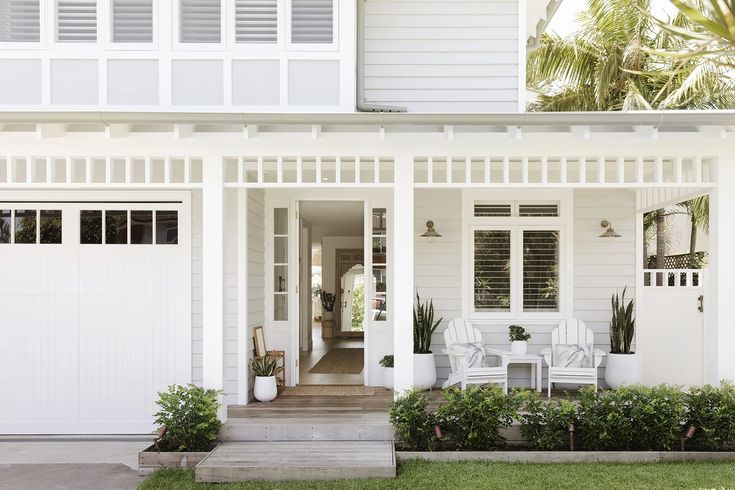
x=698, y=211
x=614, y=63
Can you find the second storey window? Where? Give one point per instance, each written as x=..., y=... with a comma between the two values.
x=20, y=21
x=200, y=21
x=256, y=21
x=132, y=21
x=312, y=21
x=76, y=21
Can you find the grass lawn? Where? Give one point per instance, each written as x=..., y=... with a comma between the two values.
x=472, y=475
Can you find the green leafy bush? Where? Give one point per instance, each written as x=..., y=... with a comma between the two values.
x=712, y=411
x=412, y=423
x=189, y=414
x=631, y=418
x=387, y=361
x=545, y=424
x=472, y=418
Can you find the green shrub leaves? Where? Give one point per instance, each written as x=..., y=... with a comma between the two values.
x=189, y=414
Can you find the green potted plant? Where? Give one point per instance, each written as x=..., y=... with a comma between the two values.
x=188, y=425
x=265, y=388
x=622, y=363
x=327, y=300
x=518, y=340
x=387, y=363
x=424, y=366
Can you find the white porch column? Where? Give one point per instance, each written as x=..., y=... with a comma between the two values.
x=403, y=273
x=719, y=306
x=213, y=272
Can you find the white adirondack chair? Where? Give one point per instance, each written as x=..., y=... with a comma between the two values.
x=572, y=332
x=461, y=332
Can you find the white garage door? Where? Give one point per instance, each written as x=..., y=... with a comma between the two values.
x=95, y=312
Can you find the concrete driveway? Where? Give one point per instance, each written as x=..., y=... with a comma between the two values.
x=70, y=464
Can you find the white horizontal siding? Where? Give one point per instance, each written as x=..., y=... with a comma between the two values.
x=442, y=55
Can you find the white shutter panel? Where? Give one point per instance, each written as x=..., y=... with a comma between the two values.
x=76, y=21
x=540, y=270
x=492, y=270
x=20, y=21
x=256, y=21
x=200, y=21
x=312, y=21
x=132, y=21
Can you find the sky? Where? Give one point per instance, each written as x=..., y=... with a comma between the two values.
x=564, y=21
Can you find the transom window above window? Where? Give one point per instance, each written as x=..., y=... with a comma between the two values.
x=29, y=226
x=526, y=209
x=20, y=21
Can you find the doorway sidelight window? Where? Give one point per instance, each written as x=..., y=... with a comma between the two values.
x=280, y=264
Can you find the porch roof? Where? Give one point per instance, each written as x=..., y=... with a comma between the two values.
x=642, y=123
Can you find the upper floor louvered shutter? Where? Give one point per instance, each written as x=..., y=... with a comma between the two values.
x=256, y=21
x=200, y=21
x=20, y=21
x=76, y=21
x=312, y=21
x=132, y=21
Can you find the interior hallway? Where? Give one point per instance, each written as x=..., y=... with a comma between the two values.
x=321, y=346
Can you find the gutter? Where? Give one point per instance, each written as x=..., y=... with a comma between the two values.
x=360, y=103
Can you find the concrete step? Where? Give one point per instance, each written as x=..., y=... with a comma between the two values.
x=307, y=429
x=300, y=460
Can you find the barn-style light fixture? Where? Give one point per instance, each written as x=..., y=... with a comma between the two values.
x=430, y=232
x=610, y=231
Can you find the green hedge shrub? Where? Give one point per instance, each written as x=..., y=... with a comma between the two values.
x=413, y=425
x=472, y=418
x=712, y=411
x=634, y=418
x=545, y=424
x=190, y=416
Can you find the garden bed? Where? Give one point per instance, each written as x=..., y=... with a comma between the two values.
x=150, y=459
x=568, y=456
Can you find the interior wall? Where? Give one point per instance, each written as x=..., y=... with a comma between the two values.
x=329, y=246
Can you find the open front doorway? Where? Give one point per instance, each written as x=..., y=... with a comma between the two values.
x=331, y=293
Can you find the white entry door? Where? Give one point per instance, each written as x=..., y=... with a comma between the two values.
x=670, y=328
x=96, y=313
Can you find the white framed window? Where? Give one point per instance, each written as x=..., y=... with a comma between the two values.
x=312, y=24
x=517, y=256
x=256, y=22
x=199, y=24
x=132, y=22
x=76, y=21
x=20, y=21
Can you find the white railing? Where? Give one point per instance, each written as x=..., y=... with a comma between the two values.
x=577, y=171
x=674, y=278
x=308, y=171
x=99, y=172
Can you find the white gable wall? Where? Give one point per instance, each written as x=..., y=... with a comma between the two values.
x=443, y=55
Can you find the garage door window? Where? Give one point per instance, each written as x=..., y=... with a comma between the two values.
x=6, y=221
x=146, y=227
x=50, y=226
x=21, y=226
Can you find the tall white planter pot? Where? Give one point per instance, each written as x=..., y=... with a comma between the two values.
x=388, y=377
x=328, y=315
x=622, y=369
x=424, y=371
x=265, y=388
x=519, y=347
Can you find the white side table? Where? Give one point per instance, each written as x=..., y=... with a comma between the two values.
x=534, y=360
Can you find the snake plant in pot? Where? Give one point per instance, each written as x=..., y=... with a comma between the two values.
x=424, y=326
x=265, y=388
x=622, y=363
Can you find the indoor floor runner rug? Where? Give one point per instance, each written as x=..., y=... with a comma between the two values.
x=340, y=360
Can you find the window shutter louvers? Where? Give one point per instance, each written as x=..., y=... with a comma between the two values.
x=538, y=210
x=76, y=21
x=132, y=21
x=256, y=21
x=492, y=270
x=540, y=270
x=20, y=21
x=200, y=21
x=312, y=21
x=492, y=210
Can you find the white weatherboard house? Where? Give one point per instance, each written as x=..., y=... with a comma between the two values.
x=173, y=173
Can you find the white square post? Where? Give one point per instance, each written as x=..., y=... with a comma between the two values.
x=213, y=272
x=403, y=230
x=720, y=314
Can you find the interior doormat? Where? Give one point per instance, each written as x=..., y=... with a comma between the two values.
x=328, y=390
x=340, y=360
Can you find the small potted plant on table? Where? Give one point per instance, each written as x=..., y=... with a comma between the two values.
x=188, y=428
x=265, y=388
x=387, y=363
x=518, y=340
x=424, y=366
